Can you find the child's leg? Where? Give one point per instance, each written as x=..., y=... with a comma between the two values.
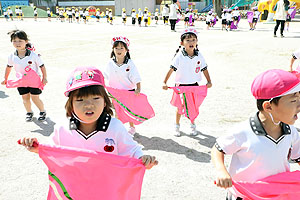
x=27, y=102
x=131, y=124
x=178, y=116
x=38, y=102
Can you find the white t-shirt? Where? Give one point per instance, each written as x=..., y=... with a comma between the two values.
x=156, y=14
x=31, y=60
x=165, y=11
x=173, y=11
x=10, y=12
x=140, y=14
x=17, y=11
x=124, y=77
x=256, y=14
x=223, y=16
x=110, y=15
x=97, y=13
x=111, y=133
x=86, y=13
x=35, y=12
x=48, y=12
x=5, y=13
x=296, y=54
x=256, y=155
x=124, y=15
x=208, y=18
x=133, y=15
x=188, y=69
x=236, y=13
x=229, y=17
x=76, y=14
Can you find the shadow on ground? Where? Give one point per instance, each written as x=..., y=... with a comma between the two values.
x=46, y=127
x=3, y=95
x=168, y=145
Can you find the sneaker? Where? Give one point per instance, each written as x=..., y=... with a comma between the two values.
x=131, y=130
x=177, y=131
x=282, y=36
x=29, y=117
x=193, y=130
x=42, y=116
x=275, y=35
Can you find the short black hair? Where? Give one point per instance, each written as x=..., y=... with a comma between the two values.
x=260, y=102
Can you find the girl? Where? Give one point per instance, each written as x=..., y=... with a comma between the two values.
x=77, y=15
x=208, y=20
x=98, y=15
x=10, y=12
x=21, y=13
x=85, y=15
x=256, y=14
x=281, y=8
x=156, y=16
x=186, y=18
x=110, y=15
x=186, y=63
x=223, y=19
x=24, y=60
x=146, y=17
x=121, y=72
x=5, y=15
x=91, y=125
x=229, y=19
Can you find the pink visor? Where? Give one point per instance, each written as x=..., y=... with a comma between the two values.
x=83, y=77
x=274, y=83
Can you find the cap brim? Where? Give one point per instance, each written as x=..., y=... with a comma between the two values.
x=293, y=90
x=80, y=85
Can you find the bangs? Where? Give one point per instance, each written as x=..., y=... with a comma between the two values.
x=87, y=91
x=188, y=35
x=117, y=43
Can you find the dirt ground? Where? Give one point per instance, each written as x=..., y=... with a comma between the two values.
x=185, y=171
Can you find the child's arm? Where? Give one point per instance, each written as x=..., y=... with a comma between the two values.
x=206, y=74
x=165, y=86
x=7, y=72
x=149, y=161
x=291, y=63
x=138, y=89
x=223, y=177
x=29, y=144
x=44, y=80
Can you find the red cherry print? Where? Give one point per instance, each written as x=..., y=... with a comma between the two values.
x=109, y=148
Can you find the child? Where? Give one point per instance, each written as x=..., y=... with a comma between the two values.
x=224, y=13
x=110, y=15
x=229, y=19
x=85, y=15
x=24, y=60
x=121, y=72
x=145, y=17
x=187, y=18
x=140, y=15
x=5, y=15
x=81, y=13
x=106, y=15
x=156, y=16
x=57, y=12
x=124, y=16
x=49, y=14
x=256, y=14
x=21, y=13
x=208, y=20
x=295, y=55
x=35, y=13
x=10, y=12
x=98, y=15
x=236, y=14
x=17, y=12
x=70, y=16
x=91, y=125
x=77, y=15
x=188, y=65
x=262, y=146
x=133, y=17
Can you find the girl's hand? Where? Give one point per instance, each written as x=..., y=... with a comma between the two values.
x=224, y=180
x=137, y=92
x=3, y=82
x=208, y=84
x=30, y=144
x=149, y=161
x=165, y=87
x=44, y=81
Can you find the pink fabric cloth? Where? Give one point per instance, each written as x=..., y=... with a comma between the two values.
x=130, y=107
x=30, y=79
x=188, y=100
x=283, y=186
x=84, y=174
x=250, y=16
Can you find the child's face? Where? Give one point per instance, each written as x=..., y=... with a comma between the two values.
x=19, y=44
x=89, y=108
x=287, y=108
x=189, y=43
x=120, y=51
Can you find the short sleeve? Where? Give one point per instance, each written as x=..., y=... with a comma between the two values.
x=54, y=138
x=134, y=75
x=296, y=54
x=126, y=145
x=230, y=143
x=10, y=60
x=295, y=153
x=175, y=62
x=38, y=60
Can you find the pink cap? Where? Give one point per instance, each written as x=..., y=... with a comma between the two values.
x=274, y=83
x=83, y=77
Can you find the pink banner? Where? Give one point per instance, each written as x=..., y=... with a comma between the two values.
x=85, y=174
x=130, y=107
x=188, y=100
x=283, y=186
x=250, y=16
x=30, y=79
